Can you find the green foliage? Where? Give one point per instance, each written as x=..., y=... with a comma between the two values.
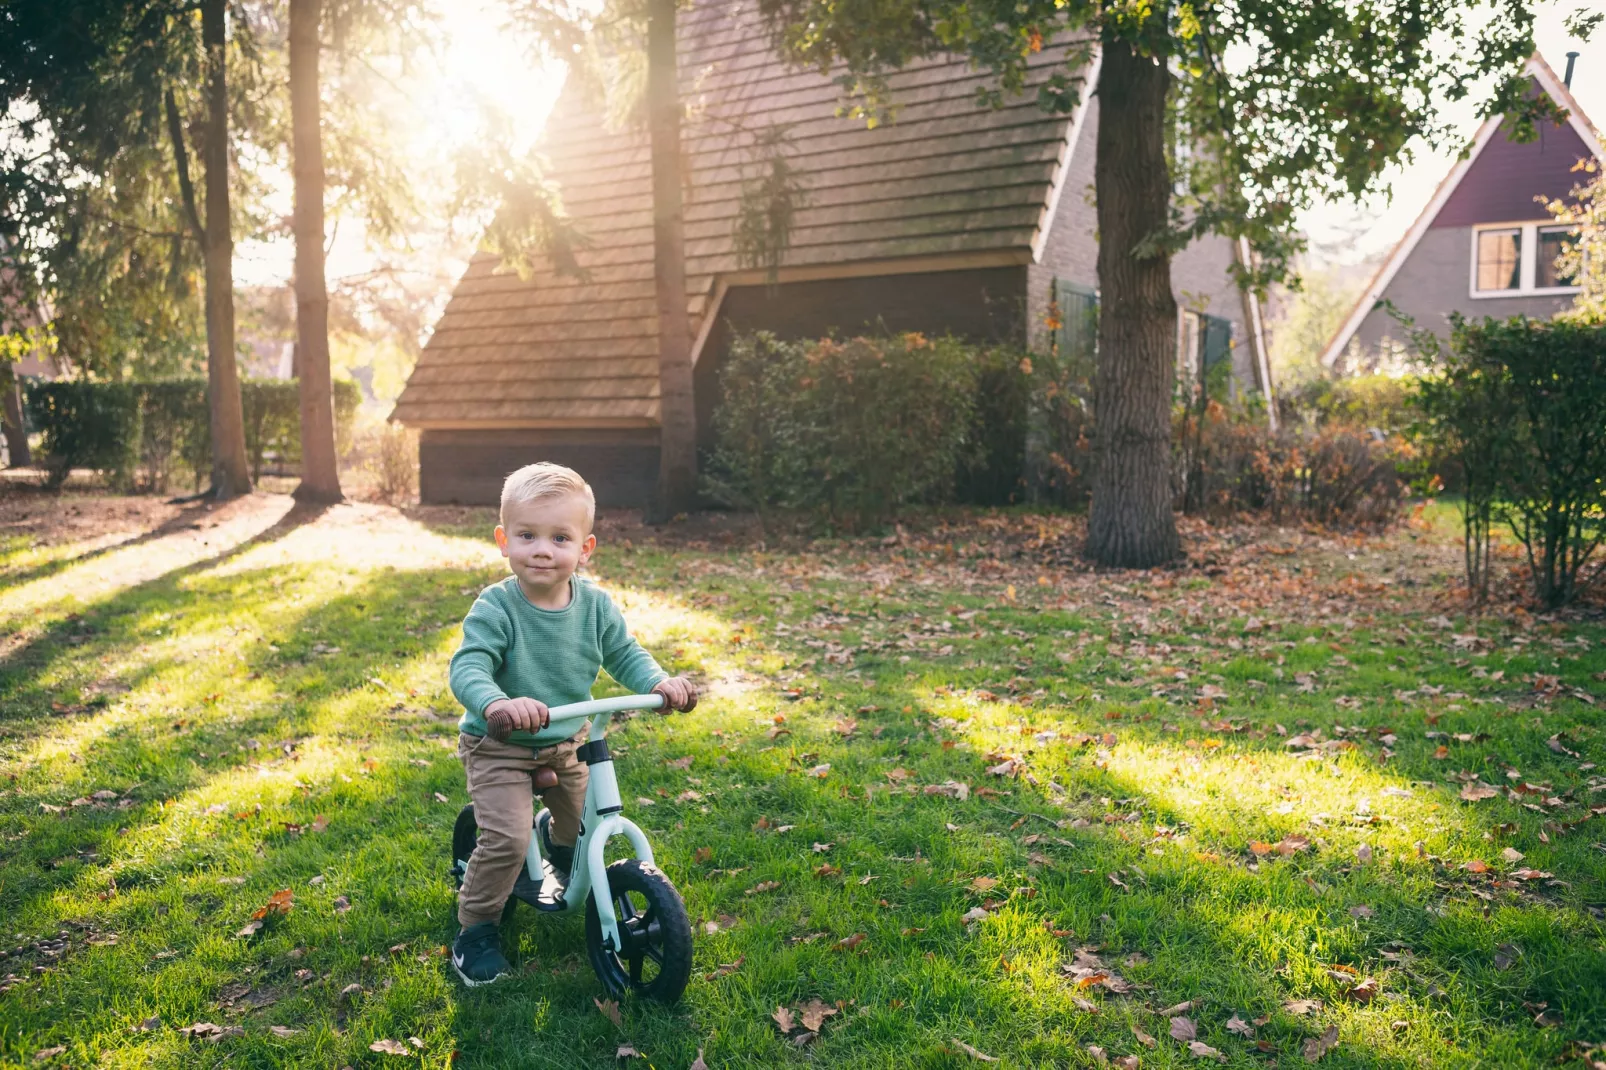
x=140, y=435
x=1517, y=405
x=992, y=469
x=1381, y=402
x=853, y=428
x=87, y=425
x=1584, y=258
x=1313, y=314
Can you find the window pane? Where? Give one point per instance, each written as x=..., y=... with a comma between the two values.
x=1552, y=243
x=1499, y=259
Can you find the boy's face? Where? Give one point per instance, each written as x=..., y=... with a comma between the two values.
x=545, y=541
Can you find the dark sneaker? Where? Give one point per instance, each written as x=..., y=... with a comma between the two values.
x=561, y=859
x=477, y=955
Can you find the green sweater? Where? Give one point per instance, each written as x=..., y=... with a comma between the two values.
x=512, y=649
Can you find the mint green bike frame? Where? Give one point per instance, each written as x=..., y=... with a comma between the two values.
x=602, y=819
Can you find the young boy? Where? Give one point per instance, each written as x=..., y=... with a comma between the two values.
x=532, y=641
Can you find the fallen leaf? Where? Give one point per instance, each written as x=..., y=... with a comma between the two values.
x=149, y=1025
x=1099, y=1055
x=1242, y=1028
x=1202, y=1050
x=784, y=1020
x=1363, y=853
x=982, y=885
x=815, y=1013
x=1180, y=1008
x=1183, y=1029
x=283, y=1031
x=1315, y=1047
x=390, y=1047
x=48, y=1053
x=704, y=854
x=973, y=1053
x=1127, y=1062
x=1302, y=1006
x=1476, y=865
x=699, y=1064
x=761, y=887
x=1360, y=911
x=1473, y=792
x=1364, y=992
x=725, y=969
x=848, y=943
x=680, y=763
x=822, y=848
x=610, y=1010
x=626, y=1051
x=1143, y=1038
x=820, y=770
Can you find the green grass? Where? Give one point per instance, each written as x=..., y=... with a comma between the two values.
x=234, y=700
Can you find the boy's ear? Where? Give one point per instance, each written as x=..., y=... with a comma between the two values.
x=587, y=547
x=501, y=539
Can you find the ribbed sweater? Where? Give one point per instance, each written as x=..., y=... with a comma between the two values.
x=514, y=649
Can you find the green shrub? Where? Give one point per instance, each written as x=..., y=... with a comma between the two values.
x=140, y=435
x=853, y=428
x=1383, y=402
x=87, y=425
x=1519, y=406
x=992, y=468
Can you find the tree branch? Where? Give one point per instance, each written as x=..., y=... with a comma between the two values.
x=181, y=159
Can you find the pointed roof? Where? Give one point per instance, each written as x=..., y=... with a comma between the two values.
x=1537, y=69
x=950, y=183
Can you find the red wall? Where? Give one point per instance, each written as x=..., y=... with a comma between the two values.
x=1507, y=176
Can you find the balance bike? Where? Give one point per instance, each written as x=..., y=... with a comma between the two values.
x=638, y=937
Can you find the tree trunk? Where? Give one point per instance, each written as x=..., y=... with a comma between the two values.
x=677, y=414
x=1130, y=523
x=230, y=476
x=16, y=430
x=320, y=481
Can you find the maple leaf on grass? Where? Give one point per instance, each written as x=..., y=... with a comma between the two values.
x=815, y=1013
x=390, y=1047
x=979, y=1056
x=784, y=1020
x=1202, y=1050
x=1183, y=1029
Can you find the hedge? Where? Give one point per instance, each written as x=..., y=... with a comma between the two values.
x=139, y=435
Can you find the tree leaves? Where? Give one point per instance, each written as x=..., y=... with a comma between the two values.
x=1315, y=1047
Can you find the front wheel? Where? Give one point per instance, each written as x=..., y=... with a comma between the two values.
x=655, y=960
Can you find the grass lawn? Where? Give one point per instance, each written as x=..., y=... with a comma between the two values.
x=979, y=801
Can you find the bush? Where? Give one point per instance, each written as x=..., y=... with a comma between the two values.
x=1518, y=406
x=1338, y=474
x=853, y=428
x=1373, y=402
x=387, y=456
x=139, y=434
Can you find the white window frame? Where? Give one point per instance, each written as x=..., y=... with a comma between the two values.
x=1527, y=269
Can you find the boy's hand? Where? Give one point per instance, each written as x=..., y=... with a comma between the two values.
x=508, y=715
x=679, y=694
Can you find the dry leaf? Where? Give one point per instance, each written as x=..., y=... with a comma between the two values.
x=1144, y=1038
x=1183, y=1029
x=1099, y=1055
x=283, y=1031
x=820, y=770
x=982, y=885
x=390, y=1047
x=1242, y=1028
x=784, y=1020
x=973, y=1053
x=1511, y=854
x=1316, y=1047
x=610, y=1010
x=48, y=1053
x=815, y=1013
x=725, y=969
x=1202, y=1050
x=1360, y=911
x=762, y=886
x=1180, y=1008
x=149, y=1025
x=1127, y=1062
x=848, y=943
x=1473, y=792
x=703, y=854
x=1363, y=853
x=1302, y=1006
x=699, y=1064
x=626, y=1051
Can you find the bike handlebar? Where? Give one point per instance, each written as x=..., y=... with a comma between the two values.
x=605, y=705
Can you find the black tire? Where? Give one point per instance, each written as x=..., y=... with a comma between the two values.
x=652, y=924
x=465, y=834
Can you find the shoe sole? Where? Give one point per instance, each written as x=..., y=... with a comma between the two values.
x=470, y=982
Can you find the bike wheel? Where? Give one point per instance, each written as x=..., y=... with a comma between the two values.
x=655, y=960
x=465, y=834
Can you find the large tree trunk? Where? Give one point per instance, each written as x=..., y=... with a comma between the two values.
x=11, y=409
x=677, y=414
x=320, y=481
x=1130, y=523
x=230, y=475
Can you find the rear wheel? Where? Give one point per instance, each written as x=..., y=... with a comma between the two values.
x=655, y=959
x=465, y=834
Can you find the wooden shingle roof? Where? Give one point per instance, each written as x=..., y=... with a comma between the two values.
x=949, y=178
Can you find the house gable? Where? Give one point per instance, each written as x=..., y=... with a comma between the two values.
x=1497, y=180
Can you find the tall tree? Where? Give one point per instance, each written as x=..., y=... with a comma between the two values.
x=320, y=480
x=231, y=474
x=1316, y=100
x=677, y=413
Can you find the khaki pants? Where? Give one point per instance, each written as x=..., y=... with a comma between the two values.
x=500, y=781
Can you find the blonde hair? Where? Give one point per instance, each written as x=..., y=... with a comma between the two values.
x=536, y=482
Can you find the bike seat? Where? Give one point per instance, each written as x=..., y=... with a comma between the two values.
x=545, y=779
